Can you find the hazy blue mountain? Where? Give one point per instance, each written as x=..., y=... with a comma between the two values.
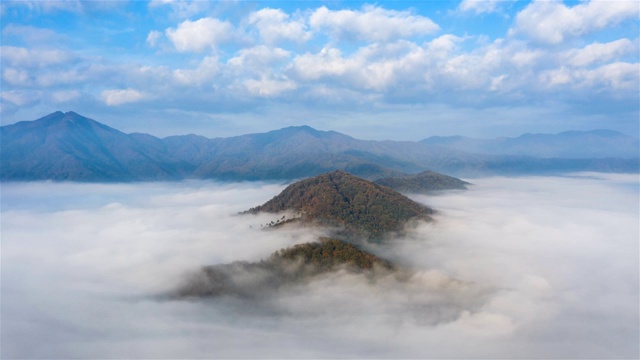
x=68, y=146
x=569, y=145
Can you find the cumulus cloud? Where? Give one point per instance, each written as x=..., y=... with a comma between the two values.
x=376, y=66
x=607, y=78
x=257, y=59
x=599, y=52
x=202, y=74
x=513, y=268
x=202, y=34
x=552, y=22
x=268, y=87
x=390, y=59
x=275, y=25
x=371, y=23
x=121, y=96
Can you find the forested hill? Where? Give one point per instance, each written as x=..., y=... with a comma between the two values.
x=339, y=199
x=289, y=266
x=424, y=182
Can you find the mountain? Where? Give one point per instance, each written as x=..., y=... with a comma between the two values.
x=68, y=146
x=568, y=145
x=426, y=181
x=359, y=208
x=289, y=266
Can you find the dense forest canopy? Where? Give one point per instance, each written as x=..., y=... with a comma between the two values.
x=339, y=199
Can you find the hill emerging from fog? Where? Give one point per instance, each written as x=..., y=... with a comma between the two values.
x=340, y=200
x=69, y=146
x=424, y=182
x=289, y=266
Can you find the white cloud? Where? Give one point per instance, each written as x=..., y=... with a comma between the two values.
x=275, y=25
x=613, y=77
x=31, y=34
x=121, y=96
x=200, y=35
x=268, y=87
x=258, y=58
x=153, y=38
x=181, y=9
x=528, y=267
x=371, y=24
x=64, y=96
x=552, y=22
x=443, y=46
x=20, y=98
x=378, y=67
x=328, y=62
x=74, y=6
x=35, y=57
x=609, y=78
x=255, y=69
x=599, y=52
x=16, y=77
x=203, y=74
x=479, y=6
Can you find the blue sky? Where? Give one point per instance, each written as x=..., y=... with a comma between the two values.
x=401, y=70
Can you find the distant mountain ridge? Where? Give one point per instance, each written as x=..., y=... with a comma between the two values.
x=68, y=146
x=569, y=144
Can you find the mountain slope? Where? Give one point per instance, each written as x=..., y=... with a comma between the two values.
x=423, y=182
x=68, y=146
x=338, y=199
x=289, y=266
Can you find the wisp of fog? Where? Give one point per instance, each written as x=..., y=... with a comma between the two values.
x=524, y=267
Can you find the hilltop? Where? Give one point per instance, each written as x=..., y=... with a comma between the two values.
x=289, y=266
x=356, y=206
x=424, y=182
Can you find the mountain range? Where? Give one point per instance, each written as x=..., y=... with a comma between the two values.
x=68, y=146
x=569, y=144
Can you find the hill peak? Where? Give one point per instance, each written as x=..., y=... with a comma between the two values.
x=304, y=129
x=359, y=208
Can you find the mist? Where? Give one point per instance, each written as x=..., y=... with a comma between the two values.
x=535, y=267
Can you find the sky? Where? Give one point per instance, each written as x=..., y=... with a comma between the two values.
x=83, y=266
x=398, y=70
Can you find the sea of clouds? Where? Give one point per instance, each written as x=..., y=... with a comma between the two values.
x=524, y=267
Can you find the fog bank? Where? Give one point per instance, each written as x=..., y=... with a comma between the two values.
x=537, y=267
